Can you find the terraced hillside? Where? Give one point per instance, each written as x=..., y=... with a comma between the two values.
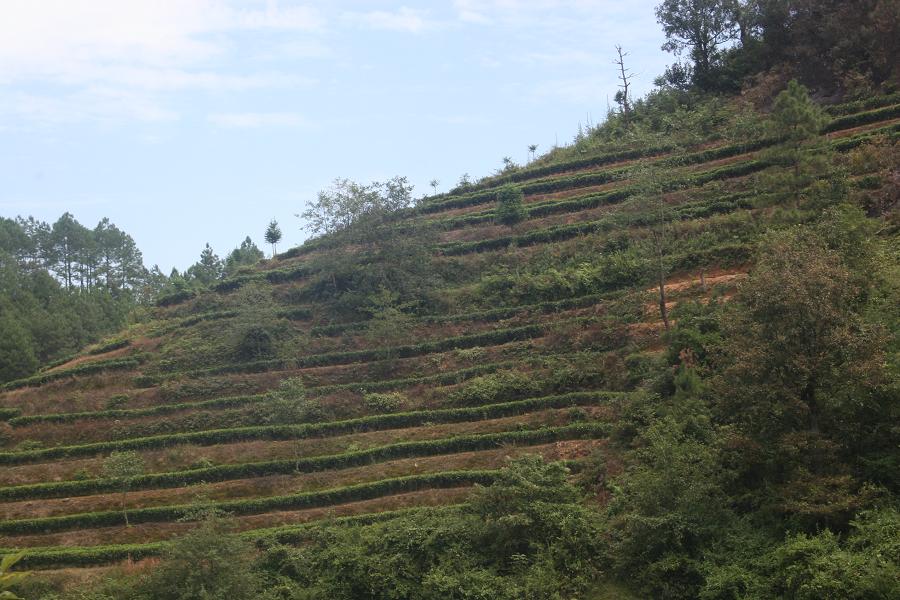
x=260, y=398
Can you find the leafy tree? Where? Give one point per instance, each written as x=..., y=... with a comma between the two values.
x=532, y=148
x=509, y=205
x=348, y=202
x=651, y=201
x=208, y=563
x=670, y=505
x=700, y=26
x=123, y=467
x=434, y=183
x=389, y=325
x=273, y=235
x=798, y=337
x=255, y=329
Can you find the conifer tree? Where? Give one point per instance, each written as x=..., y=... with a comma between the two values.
x=273, y=235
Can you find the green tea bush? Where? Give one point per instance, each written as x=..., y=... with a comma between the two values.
x=497, y=387
x=385, y=402
x=303, y=431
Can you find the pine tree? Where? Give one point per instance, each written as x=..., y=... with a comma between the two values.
x=273, y=235
x=797, y=121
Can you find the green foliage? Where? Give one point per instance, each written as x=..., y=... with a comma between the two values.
x=700, y=26
x=385, y=402
x=207, y=563
x=373, y=422
x=493, y=388
x=245, y=255
x=273, y=235
x=794, y=116
x=299, y=501
x=17, y=352
x=86, y=368
x=9, y=579
x=348, y=202
x=123, y=468
x=545, y=547
x=509, y=209
x=670, y=507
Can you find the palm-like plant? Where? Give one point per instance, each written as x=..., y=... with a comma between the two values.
x=7, y=579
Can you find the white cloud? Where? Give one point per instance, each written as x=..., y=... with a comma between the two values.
x=251, y=120
x=135, y=49
x=90, y=104
x=403, y=19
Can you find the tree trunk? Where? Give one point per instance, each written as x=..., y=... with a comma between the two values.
x=125, y=509
x=808, y=396
x=663, y=311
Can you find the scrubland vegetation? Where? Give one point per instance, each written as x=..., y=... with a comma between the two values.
x=660, y=362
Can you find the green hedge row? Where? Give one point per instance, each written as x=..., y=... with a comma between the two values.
x=346, y=460
x=290, y=432
x=860, y=105
x=448, y=378
x=849, y=115
x=495, y=337
x=110, y=346
x=88, y=368
x=90, y=556
x=59, y=361
x=253, y=506
x=495, y=314
x=863, y=118
x=272, y=276
x=557, y=233
x=603, y=159
x=599, y=178
x=562, y=167
x=8, y=414
x=564, y=232
x=461, y=199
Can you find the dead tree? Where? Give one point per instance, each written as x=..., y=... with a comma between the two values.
x=625, y=76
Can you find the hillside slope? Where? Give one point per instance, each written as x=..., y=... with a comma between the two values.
x=271, y=397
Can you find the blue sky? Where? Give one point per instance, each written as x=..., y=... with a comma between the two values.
x=194, y=121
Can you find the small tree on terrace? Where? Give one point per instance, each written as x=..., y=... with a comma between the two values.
x=650, y=200
x=348, y=202
x=804, y=156
x=123, y=468
x=509, y=205
x=273, y=235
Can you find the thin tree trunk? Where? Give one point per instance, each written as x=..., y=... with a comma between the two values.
x=663, y=311
x=125, y=509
